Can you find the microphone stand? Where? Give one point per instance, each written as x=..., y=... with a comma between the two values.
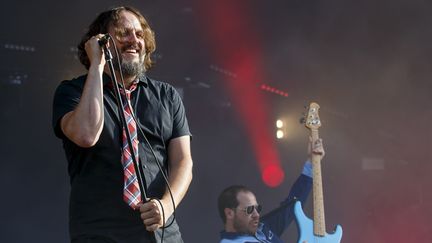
x=108, y=58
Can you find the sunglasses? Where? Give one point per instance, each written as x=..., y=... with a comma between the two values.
x=249, y=209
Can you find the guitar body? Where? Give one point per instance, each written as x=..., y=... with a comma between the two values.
x=305, y=229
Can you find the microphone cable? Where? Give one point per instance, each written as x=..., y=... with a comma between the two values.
x=159, y=164
x=108, y=57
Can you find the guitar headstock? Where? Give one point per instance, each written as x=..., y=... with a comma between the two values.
x=312, y=120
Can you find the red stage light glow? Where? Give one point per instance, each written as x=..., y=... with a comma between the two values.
x=237, y=48
x=273, y=175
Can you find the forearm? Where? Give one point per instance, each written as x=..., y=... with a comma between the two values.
x=300, y=189
x=280, y=218
x=180, y=177
x=84, y=124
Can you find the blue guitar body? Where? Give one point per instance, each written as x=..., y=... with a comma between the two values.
x=305, y=228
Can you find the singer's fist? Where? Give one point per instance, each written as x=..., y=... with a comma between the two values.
x=94, y=51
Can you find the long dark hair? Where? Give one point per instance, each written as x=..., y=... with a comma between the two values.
x=100, y=26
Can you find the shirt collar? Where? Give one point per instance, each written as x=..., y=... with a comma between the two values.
x=235, y=235
x=106, y=79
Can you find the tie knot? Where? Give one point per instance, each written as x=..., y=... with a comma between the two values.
x=133, y=86
x=129, y=91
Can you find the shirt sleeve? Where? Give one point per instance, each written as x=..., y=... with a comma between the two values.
x=307, y=169
x=180, y=123
x=280, y=218
x=66, y=98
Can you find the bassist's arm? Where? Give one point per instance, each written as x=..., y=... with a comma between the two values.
x=280, y=218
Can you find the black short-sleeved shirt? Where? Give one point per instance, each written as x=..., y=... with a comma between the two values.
x=96, y=174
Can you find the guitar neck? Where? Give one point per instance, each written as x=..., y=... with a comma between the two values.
x=318, y=198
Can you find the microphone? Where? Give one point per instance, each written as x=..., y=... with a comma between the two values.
x=104, y=40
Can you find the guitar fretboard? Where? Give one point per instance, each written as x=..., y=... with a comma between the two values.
x=318, y=197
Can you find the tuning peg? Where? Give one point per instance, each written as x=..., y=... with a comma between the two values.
x=302, y=120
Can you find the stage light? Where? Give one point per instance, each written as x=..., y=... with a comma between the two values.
x=279, y=123
x=273, y=90
x=280, y=134
x=18, y=47
x=223, y=71
x=15, y=78
x=273, y=175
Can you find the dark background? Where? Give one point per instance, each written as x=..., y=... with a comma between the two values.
x=367, y=63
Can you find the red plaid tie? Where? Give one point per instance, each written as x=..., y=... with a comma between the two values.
x=131, y=190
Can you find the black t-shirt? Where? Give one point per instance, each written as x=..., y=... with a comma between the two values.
x=96, y=173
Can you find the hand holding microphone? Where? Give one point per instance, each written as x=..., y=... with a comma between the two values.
x=104, y=40
x=94, y=47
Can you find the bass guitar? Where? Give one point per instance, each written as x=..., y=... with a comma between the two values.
x=315, y=231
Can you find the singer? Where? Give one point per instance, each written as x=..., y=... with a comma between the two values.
x=106, y=195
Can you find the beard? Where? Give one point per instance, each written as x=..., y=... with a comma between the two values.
x=243, y=227
x=130, y=68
